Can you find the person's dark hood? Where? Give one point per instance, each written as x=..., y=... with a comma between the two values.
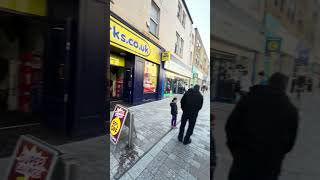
x=265, y=90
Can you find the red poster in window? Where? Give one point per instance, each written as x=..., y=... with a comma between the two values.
x=32, y=160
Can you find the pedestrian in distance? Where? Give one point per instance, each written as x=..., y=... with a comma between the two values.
x=261, y=130
x=174, y=112
x=191, y=104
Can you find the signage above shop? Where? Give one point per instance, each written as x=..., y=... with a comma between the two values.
x=178, y=67
x=117, y=60
x=166, y=56
x=121, y=36
x=36, y=7
x=273, y=44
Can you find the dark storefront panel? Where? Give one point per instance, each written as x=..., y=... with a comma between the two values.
x=138, y=81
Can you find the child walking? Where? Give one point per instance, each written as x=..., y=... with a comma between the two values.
x=174, y=112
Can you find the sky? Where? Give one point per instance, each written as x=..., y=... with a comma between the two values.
x=200, y=13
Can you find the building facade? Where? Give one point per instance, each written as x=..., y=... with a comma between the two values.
x=168, y=26
x=53, y=54
x=200, y=65
x=236, y=44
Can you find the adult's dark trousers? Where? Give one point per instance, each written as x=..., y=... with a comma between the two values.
x=191, y=118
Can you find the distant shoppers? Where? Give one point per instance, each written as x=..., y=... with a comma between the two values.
x=191, y=103
x=174, y=112
x=261, y=130
x=301, y=81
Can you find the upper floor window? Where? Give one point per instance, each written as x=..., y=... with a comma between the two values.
x=178, y=49
x=276, y=3
x=154, y=19
x=184, y=19
x=179, y=13
x=181, y=47
x=177, y=45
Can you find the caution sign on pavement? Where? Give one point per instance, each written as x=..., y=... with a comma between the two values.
x=117, y=121
x=32, y=160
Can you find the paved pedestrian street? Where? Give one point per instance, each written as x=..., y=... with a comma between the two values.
x=302, y=163
x=170, y=159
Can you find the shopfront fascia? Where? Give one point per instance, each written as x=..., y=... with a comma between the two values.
x=177, y=77
x=197, y=76
x=32, y=7
x=143, y=58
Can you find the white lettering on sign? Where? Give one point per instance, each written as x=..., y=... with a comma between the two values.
x=119, y=113
x=31, y=163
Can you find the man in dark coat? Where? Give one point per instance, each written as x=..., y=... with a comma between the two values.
x=191, y=103
x=261, y=130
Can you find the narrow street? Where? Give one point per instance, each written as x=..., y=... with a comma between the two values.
x=170, y=159
x=301, y=163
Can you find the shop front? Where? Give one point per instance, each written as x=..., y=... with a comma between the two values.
x=134, y=64
x=197, y=77
x=48, y=60
x=177, y=77
x=21, y=62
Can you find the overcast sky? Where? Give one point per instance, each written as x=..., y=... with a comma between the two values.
x=200, y=13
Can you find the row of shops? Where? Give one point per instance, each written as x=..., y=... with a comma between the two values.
x=270, y=48
x=139, y=72
x=57, y=65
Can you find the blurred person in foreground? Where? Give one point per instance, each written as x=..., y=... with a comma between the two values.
x=191, y=103
x=213, y=157
x=261, y=130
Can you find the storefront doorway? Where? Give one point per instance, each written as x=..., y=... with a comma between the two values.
x=116, y=82
x=223, y=76
x=21, y=60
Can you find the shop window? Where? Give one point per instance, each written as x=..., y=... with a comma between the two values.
x=150, y=77
x=154, y=19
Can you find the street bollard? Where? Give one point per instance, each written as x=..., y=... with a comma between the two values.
x=130, y=130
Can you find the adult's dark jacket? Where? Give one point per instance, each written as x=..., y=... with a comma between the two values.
x=191, y=102
x=262, y=128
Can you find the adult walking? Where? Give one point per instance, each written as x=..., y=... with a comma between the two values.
x=261, y=130
x=191, y=103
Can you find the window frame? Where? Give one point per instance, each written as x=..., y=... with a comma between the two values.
x=181, y=47
x=184, y=18
x=179, y=11
x=154, y=6
x=177, y=44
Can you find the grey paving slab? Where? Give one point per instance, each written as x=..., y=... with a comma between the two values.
x=170, y=159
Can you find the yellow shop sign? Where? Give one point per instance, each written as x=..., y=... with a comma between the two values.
x=36, y=7
x=166, y=56
x=117, y=60
x=124, y=38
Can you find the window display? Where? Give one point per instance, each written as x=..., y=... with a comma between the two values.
x=150, y=77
